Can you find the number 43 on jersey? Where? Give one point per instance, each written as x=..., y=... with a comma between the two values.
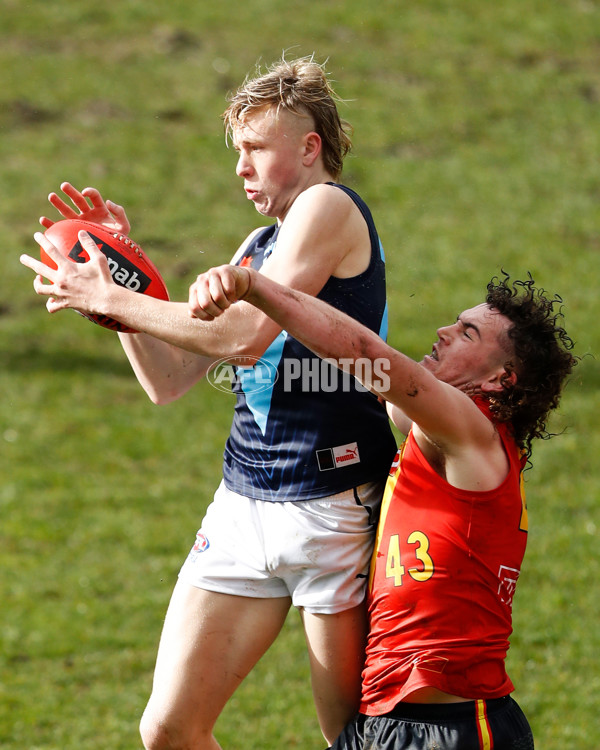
x=394, y=567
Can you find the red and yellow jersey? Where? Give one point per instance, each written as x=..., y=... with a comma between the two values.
x=444, y=571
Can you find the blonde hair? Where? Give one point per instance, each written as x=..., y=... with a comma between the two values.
x=299, y=86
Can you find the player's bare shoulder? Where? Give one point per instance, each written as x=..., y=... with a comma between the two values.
x=325, y=197
x=337, y=226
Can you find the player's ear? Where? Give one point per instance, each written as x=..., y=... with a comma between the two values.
x=312, y=148
x=504, y=378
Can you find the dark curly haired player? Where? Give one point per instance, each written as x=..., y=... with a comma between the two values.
x=453, y=525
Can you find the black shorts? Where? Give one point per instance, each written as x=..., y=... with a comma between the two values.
x=475, y=725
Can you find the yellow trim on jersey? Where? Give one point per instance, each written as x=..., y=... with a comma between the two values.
x=385, y=504
x=524, y=525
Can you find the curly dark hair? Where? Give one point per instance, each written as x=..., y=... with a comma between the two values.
x=540, y=357
x=300, y=86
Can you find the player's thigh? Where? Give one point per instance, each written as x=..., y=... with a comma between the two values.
x=337, y=641
x=336, y=647
x=210, y=642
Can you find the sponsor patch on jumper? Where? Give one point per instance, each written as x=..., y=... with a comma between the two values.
x=507, y=584
x=338, y=457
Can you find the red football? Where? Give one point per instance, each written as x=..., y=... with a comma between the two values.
x=129, y=265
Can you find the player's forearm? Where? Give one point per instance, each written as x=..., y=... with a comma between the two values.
x=331, y=334
x=323, y=329
x=241, y=332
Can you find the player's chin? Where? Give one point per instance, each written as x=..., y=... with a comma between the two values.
x=431, y=365
x=265, y=208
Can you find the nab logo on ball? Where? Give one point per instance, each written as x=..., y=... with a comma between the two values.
x=122, y=270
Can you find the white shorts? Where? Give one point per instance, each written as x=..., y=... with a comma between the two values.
x=316, y=551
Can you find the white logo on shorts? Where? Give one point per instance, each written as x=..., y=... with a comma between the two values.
x=338, y=457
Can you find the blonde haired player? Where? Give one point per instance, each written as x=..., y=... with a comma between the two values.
x=304, y=465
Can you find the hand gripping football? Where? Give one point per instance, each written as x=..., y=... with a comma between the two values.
x=128, y=263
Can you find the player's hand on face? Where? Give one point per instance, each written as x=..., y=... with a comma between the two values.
x=88, y=205
x=79, y=286
x=217, y=289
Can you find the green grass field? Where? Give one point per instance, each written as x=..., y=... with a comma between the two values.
x=477, y=134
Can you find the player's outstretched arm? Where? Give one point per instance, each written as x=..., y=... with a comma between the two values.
x=324, y=234
x=325, y=330
x=88, y=205
x=442, y=411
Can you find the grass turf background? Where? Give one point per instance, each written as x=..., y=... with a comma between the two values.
x=476, y=146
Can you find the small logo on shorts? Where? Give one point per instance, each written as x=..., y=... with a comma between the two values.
x=336, y=458
x=201, y=544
